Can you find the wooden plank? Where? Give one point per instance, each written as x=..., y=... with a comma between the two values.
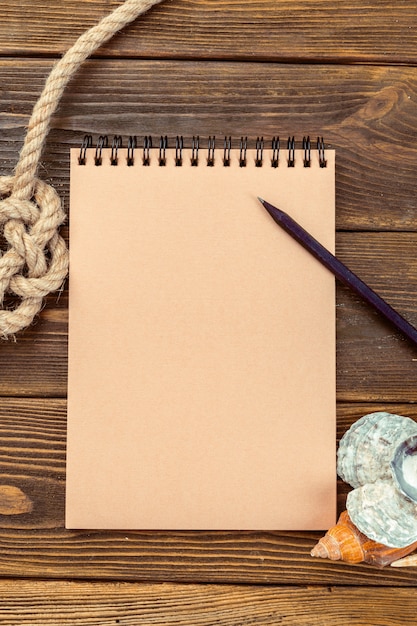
x=35, y=362
x=374, y=363
x=379, y=31
x=35, y=543
x=45, y=603
x=366, y=113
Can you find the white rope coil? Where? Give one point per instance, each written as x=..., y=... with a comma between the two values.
x=35, y=259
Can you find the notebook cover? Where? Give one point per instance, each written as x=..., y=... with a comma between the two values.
x=201, y=388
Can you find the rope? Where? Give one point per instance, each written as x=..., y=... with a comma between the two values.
x=35, y=261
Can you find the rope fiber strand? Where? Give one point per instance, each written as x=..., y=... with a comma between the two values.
x=35, y=261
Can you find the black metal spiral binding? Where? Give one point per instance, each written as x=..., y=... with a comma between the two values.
x=320, y=149
x=103, y=142
x=307, y=151
x=194, y=151
x=258, y=156
x=210, y=151
x=179, y=146
x=275, y=152
x=259, y=152
x=116, y=144
x=291, y=152
x=87, y=143
x=163, y=145
x=147, y=145
x=243, y=150
x=226, y=151
x=131, y=145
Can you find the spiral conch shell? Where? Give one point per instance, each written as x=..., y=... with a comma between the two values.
x=345, y=542
x=378, y=457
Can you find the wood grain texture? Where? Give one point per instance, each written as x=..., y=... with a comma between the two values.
x=366, y=113
x=345, y=70
x=41, y=603
x=348, y=31
x=35, y=364
x=13, y=501
x=373, y=361
x=35, y=544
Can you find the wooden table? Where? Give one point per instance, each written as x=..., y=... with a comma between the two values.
x=342, y=69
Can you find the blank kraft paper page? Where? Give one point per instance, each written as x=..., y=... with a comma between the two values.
x=201, y=346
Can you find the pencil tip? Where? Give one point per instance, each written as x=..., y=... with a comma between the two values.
x=275, y=213
x=261, y=200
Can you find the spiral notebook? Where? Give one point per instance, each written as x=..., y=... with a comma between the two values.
x=201, y=339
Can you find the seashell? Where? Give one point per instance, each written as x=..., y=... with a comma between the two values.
x=366, y=449
x=404, y=467
x=380, y=555
x=341, y=542
x=408, y=561
x=345, y=542
x=382, y=513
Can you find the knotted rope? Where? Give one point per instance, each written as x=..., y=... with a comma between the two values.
x=35, y=261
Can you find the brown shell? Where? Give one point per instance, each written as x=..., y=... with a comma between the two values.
x=408, y=561
x=341, y=542
x=380, y=555
x=346, y=543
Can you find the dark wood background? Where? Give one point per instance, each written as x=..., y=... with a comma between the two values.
x=344, y=69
